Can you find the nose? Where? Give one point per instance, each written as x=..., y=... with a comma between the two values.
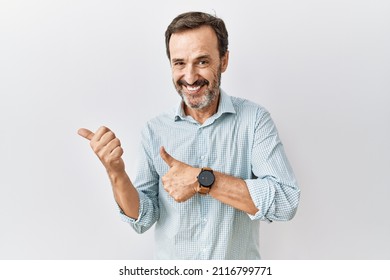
x=190, y=74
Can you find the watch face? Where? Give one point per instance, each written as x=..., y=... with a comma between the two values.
x=206, y=178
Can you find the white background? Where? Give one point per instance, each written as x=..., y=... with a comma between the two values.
x=321, y=68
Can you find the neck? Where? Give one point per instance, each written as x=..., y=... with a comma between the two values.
x=201, y=115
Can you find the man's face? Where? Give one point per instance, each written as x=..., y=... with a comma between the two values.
x=197, y=66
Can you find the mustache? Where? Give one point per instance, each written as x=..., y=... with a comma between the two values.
x=195, y=84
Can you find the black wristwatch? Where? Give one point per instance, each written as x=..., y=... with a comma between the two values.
x=206, y=179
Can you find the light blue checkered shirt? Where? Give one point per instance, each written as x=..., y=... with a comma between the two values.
x=240, y=140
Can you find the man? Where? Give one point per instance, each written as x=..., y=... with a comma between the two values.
x=211, y=169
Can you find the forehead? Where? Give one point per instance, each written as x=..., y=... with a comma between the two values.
x=202, y=40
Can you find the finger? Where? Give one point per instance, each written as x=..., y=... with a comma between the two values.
x=167, y=157
x=107, y=138
x=100, y=132
x=117, y=152
x=87, y=134
x=110, y=147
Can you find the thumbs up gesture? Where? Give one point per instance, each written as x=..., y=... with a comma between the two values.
x=180, y=181
x=107, y=147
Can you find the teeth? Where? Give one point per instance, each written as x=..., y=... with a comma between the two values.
x=193, y=88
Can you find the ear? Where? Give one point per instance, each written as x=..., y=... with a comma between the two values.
x=224, y=61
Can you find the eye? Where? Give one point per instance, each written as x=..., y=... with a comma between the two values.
x=203, y=62
x=178, y=64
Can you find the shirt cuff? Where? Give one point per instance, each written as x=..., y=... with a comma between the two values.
x=128, y=219
x=263, y=196
x=147, y=215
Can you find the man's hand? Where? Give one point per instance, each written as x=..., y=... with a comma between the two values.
x=107, y=147
x=181, y=179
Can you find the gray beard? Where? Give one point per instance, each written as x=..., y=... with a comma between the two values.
x=210, y=95
x=207, y=99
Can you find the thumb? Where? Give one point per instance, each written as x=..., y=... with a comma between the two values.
x=167, y=157
x=87, y=134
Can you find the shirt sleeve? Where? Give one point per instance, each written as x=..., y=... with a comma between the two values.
x=273, y=187
x=146, y=182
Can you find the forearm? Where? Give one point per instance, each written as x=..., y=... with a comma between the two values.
x=234, y=192
x=125, y=194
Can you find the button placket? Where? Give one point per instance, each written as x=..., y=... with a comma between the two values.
x=203, y=150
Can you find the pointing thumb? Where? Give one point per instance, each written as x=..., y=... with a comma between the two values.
x=167, y=157
x=87, y=134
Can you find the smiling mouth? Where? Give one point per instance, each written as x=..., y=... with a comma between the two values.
x=195, y=87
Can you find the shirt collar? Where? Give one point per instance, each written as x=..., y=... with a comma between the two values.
x=225, y=107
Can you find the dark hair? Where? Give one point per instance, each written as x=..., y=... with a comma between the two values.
x=193, y=20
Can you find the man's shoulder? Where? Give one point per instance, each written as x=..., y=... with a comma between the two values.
x=246, y=106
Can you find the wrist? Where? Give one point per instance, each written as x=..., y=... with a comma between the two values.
x=206, y=179
x=117, y=176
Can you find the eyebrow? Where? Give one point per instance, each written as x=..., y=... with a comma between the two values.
x=206, y=56
x=203, y=57
x=177, y=60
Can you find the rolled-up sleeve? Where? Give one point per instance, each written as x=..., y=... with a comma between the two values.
x=273, y=186
x=147, y=184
